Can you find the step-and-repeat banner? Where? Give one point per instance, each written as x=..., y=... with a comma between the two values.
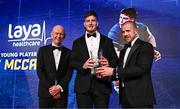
x=25, y=25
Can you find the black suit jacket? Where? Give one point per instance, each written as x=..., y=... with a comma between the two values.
x=80, y=55
x=47, y=73
x=137, y=74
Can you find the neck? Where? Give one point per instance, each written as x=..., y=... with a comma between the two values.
x=91, y=32
x=57, y=44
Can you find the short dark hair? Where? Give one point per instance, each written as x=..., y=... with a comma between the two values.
x=90, y=13
x=131, y=22
x=131, y=12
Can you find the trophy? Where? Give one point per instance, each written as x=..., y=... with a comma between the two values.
x=96, y=56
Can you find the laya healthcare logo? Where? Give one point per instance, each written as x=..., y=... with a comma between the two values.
x=27, y=35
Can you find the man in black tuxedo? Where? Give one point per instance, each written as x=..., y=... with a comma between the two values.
x=53, y=71
x=92, y=91
x=134, y=70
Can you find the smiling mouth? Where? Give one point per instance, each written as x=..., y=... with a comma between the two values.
x=90, y=26
x=126, y=37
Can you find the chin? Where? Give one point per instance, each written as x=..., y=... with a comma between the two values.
x=128, y=40
x=57, y=43
x=91, y=31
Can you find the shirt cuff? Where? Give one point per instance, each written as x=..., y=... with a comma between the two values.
x=61, y=89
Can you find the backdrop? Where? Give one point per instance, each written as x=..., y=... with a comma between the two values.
x=25, y=25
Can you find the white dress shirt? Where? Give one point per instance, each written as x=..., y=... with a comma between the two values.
x=127, y=52
x=57, y=56
x=126, y=56
x=93, y=47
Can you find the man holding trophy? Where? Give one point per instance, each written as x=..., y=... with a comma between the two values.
x=89, y=51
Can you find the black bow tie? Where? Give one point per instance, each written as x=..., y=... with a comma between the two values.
x=93, y=35
x=127, y=45
x=59, y=48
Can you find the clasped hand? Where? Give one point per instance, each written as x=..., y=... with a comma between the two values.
x=89, y=64
x=104, y=72
x=55, y=92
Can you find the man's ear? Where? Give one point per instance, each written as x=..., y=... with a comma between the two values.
x=51, y=34
x=84, y=24
x=137, y=31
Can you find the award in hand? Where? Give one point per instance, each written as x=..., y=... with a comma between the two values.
x=96, y=57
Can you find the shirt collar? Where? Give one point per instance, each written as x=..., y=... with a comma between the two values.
x=134, y=40
x=55, y=45
x=97, y=34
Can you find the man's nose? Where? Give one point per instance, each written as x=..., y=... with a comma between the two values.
x=90, y=22
x=60, y=35
x=125, y=33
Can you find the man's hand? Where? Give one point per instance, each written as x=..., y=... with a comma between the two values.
x=57, y=96
x=103, y=62
x=104, y=71
x=157, y=55
x=54, y=90
x=88, y=64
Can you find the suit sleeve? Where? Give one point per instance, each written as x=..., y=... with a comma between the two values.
x=142, y=63
x=65, y=81
x=76, y=58
x=113, y=59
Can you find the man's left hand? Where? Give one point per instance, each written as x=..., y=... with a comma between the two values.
x=54, y=90
x=57, y=96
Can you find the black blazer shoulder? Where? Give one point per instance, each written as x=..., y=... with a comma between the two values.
x=141, y=42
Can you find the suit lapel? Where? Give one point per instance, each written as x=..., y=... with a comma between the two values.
x=121, y=57
x=62, y=58
x=51, y=57
x=134, y=47
x=101, y=43
x=84, y=47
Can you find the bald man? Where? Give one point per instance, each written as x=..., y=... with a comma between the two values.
x=53, y=71
x=134, y=70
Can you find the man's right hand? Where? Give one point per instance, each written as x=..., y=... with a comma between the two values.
x=104, y=71
x=88, y=64
x=157, y=55
x=103, y=62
